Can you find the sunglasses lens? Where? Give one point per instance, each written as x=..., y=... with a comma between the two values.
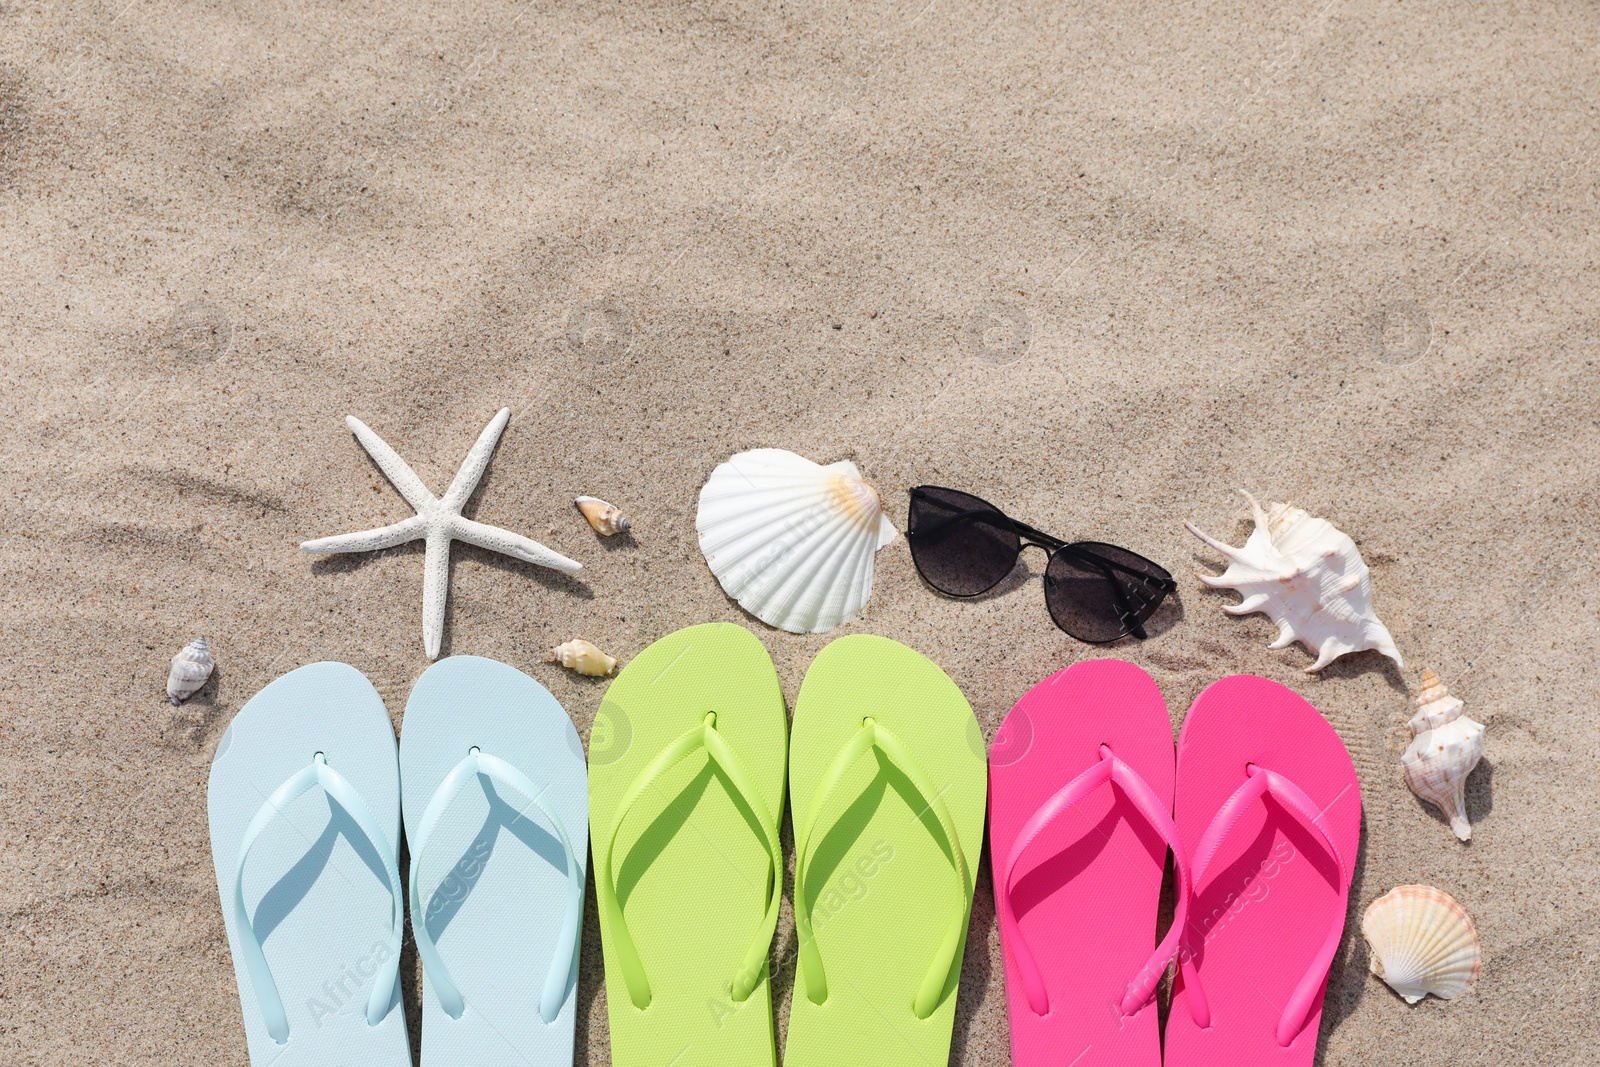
x=961, y=545
x=1098, y=592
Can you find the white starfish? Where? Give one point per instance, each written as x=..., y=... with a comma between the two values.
x=438, y=521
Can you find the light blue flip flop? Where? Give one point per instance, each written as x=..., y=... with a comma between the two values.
x=497, y=817
x=304, y=804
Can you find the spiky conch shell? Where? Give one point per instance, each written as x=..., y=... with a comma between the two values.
x=191, y=669
x=791, y=540
x=581, y=656
x=1422, y=942
x=1308, y=577
x=607, y=519
x=1446, y=747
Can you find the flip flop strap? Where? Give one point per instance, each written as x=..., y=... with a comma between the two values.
x=1260, y=781
x=706, y=736
x=497, y=770
x=875, y=735
x=344, y=794
x=1108, y=770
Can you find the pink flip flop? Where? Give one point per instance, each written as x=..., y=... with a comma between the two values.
x=1268, y=795
x=1080, y=790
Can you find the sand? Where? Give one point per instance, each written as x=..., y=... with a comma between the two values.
x=1098, y=263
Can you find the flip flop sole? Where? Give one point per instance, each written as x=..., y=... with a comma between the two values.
x=492, y=870
x=316, y=889
x=881, y=889
x=1267, y=897
x=693, y=876
x=1087, y=889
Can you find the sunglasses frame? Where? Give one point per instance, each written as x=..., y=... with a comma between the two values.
x=1052, y=545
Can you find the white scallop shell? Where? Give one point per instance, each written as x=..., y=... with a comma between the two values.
x=1442, y=756
x=607, y=519
x=191, y=667
x=791, y=540
x=1422, y=942
x=583, y=657
x=1306, y=576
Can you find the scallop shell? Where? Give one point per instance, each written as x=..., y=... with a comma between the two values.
x=1422, y=942
x=1435, y=705
x=607, y=519
x=1442, y=756
x=1306, y=576
x=191, y=668
x=581, y=656
x=791, y=540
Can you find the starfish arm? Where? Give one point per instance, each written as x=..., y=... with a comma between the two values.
x=514, y=545
x=370, y=540
x=472, y=468
x=435, y=591
x=399, y=473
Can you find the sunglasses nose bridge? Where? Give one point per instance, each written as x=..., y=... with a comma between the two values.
x=1028, y=543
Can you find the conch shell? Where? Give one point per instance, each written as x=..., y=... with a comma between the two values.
x=579, y=655
x=1435, y=706
x=1422, y=942
x=1306, y=576
x=191, y=668
x=607, y=519
x=1446, y=747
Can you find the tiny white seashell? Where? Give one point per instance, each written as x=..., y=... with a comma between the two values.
x=607, y=519
x=1422, y=942
x=791, y=540
x=1441, y=757
x=1309, y=578
x=1435, y=706
x=191, y=667
x=583, y=657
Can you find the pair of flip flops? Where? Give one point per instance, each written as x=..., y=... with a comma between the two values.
x=1261, y=809
x=886, y=778
x=306, y=799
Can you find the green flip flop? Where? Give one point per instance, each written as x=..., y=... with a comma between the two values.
x=888, y=781
x=686, y=767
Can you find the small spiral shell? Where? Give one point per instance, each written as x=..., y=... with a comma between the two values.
x=191, y=668
x=607, y=519
x=583, y=657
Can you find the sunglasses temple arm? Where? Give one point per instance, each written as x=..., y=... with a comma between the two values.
x=1166, y=584
x=927, y=529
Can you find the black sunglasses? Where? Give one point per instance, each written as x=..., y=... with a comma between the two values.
x=1096, y=592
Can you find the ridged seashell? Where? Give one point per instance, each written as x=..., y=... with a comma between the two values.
x=579, y=655
x=1422, y=942
x=607, y=519
x=791, y=540
x=191, y=667
x=1441, y=757
x=1435, y=705
x=1306, y=576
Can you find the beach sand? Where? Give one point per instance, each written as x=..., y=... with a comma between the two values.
x=1100, y=264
